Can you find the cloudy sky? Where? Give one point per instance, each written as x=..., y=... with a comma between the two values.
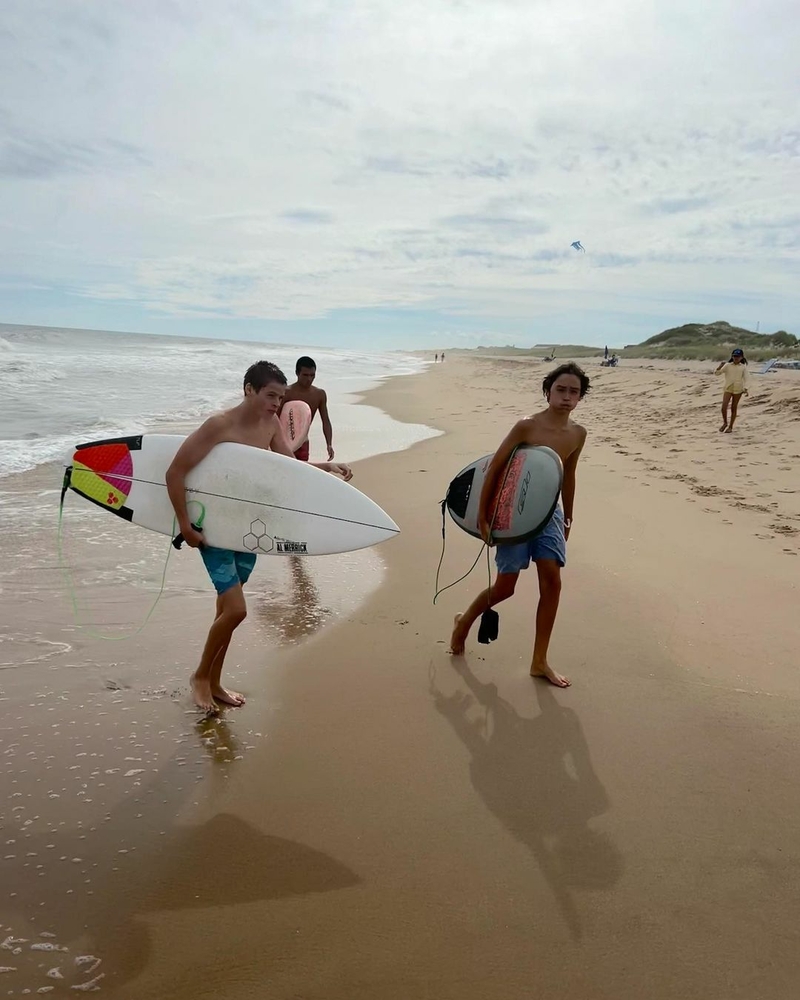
x=375, y=172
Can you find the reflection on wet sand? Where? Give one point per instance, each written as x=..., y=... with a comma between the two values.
x=294, y=612
x=536, y=777
x=161, y=867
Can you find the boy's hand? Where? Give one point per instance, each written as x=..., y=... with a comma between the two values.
x=339, y=470
x=193, y=538
x=330, y=452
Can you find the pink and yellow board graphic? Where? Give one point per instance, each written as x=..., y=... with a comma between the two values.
x=506, y=498
x=102, y=473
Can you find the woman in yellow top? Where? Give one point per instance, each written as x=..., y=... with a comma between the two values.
x=736, y=383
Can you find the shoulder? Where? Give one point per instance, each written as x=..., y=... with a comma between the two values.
x=320, y=394
x=216, y=426
x=524, y=428
x=579, y=431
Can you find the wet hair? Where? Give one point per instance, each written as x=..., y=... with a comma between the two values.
x=304, y=362
x=740, y=351
x=570, y=368
x=261, y=374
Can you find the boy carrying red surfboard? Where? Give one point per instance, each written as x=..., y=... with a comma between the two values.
x=563, y=388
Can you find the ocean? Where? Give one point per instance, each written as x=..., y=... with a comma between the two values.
x=60, y=387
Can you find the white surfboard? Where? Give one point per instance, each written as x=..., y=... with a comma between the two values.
x=251, y=500
x=527, y=494
x=296, y=418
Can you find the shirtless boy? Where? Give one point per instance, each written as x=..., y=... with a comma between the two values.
x=563, y=388
x=303, y=388
x=254, y=422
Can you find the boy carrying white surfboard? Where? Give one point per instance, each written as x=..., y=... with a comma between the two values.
x=253, y=422
x=563, y=388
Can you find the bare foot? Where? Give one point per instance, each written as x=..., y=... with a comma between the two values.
x=728, y=430
x=228, y=697
x=544, y=670
x=201, y=692
x=457, y=639
x=723, y=428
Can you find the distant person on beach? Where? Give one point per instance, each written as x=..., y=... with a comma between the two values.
x=563, y=388
x=303, y=388
x=253, y=422
x=736, y=384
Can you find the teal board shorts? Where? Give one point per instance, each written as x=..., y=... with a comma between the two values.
x=226, y=567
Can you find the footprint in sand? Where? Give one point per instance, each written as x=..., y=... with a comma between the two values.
x=764, y=537
x=790, y=552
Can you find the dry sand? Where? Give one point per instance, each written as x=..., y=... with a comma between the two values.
x=382, y=821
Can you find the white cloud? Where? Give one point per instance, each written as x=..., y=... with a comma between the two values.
x=285, y=161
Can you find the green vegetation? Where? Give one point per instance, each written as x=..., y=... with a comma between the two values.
x=712, y=340
x=693, y=341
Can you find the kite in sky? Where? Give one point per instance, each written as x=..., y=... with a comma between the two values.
x=577, y=245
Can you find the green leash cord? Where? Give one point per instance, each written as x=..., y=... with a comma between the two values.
x=62, y=565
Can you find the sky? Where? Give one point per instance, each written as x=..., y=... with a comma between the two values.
x=400, y=175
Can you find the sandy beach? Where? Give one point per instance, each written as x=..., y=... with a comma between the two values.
x=382, y=821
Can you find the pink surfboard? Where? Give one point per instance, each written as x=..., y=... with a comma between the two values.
x=296, y=419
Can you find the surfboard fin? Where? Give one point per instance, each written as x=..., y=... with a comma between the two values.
x=178, y=540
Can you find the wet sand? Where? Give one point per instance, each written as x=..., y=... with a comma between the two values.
x=384, y=821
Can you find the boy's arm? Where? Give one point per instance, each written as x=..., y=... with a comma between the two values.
x=568, y=485
x=193, y=450
x=514, y=438
x=327, y=428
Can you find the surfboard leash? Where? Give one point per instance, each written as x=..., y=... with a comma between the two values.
x=441, y=590
x=67, y=574
x=485, y=547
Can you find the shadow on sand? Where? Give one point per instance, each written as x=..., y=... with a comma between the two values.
x=536, y=776
x=141, y=862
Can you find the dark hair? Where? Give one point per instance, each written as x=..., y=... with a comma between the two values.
x=304, y=362
x=261, y=374
x=570, y=368
x=740, y=351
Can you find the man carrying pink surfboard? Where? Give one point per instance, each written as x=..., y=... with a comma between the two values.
x=304, y=390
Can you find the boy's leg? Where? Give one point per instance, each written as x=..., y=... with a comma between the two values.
x=231, y=612
x=501, y=590
x=244, y=563
x=549, y=594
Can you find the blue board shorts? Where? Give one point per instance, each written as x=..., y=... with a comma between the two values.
x=550, y=543
x=226, y=567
